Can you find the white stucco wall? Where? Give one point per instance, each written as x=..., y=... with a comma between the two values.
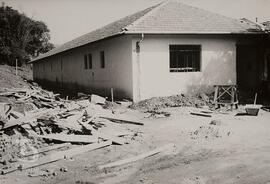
x=117, y=73
x=218, y=65
x=145, y=74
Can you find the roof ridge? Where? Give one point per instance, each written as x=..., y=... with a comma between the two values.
x=158, y=6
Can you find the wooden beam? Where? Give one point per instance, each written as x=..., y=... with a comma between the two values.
x=136, y=158
x=70, y=138
x=65, y=154
x=200, y=114
x=27, y=118
x=117, y=120
x=47, y=149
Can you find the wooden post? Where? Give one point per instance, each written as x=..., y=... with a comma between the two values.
x=232, y=98
x=16, y=67
x=112, y=94
x=255, y=100
x=112, y=99
x=215, y=97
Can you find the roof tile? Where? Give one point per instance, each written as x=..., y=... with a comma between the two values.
x=171, y=17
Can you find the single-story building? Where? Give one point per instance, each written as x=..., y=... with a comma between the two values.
x=167, y=49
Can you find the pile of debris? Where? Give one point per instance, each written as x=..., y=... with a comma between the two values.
x=157, y=103
x=209, y=132
x=35, y=121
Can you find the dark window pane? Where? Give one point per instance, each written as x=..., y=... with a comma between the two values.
x=185, y=58
x=102, y=59
x=85, y=62
x=173, y=59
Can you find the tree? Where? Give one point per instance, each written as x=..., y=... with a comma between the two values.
x=21, y=37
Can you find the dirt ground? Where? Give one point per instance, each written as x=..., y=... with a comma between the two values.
x=223, y=148
x=9, y=79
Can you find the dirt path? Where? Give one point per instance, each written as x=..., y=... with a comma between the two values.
x=240, y=157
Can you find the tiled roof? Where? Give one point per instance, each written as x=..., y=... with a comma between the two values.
x=175, y=17
x=171, y=17
x=112, y=29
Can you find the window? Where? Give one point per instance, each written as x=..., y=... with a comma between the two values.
x=90, y=61
x=102, y=59
x=85, y=62
x=61, y=64
x=185, y=58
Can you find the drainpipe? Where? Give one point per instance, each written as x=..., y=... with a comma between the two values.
x=138, y=43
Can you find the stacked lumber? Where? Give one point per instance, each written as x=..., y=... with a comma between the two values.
x=48, y=123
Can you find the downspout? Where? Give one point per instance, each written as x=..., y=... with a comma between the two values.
x=138, y=43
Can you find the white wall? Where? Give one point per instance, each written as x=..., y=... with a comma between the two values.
x=218, y=65
x=117, y=73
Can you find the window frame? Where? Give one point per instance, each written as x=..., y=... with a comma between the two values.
x=185, y=51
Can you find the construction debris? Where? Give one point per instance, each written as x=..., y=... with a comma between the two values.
x=64, y=154
x=33, y=119
x=98, y=99
x=200, y=114
x=156, y=103
x=121, y=120
x=209, y=132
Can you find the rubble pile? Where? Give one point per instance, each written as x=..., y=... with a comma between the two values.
x=156, y=103
x=34, y=122
x=208, y=132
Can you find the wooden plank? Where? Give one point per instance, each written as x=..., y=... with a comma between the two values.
x=29, y=130
x=114, y=139
x=42, y=98
x=70, y=138
x=136, y=158
x=83, y=103
x=117, y=120
x=27, y=118
x=47, y=149
x=97, y=99
x=65, y=154
x=9, y=170
x=200, y=114
x=67, y=124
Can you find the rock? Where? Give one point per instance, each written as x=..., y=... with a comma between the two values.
x=63, y=169
x=216, y=122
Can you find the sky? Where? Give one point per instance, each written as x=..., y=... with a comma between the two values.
x=68, y=19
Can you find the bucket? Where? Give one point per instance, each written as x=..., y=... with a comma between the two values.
x=252, y=110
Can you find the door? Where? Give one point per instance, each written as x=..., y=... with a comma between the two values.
x=247, y=64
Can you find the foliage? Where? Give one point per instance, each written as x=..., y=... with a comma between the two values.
x=21, y=37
